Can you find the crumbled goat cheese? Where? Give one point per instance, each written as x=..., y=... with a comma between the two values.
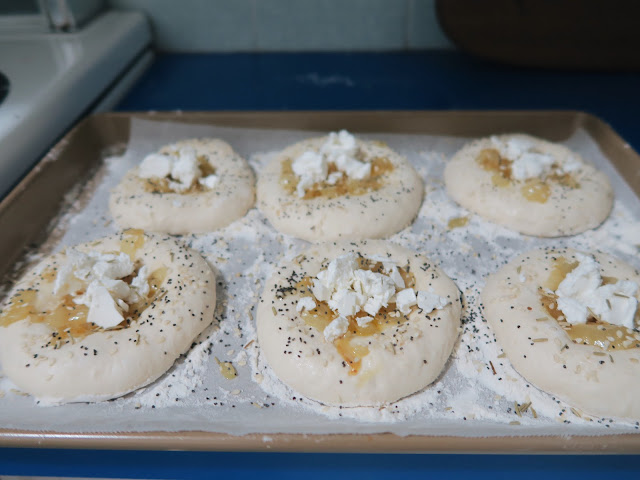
x=405, y=299
x=340, y=149
x=514, y=147
x=429, y=301
x=155, y=165
x=394, y=274
x=356, y=169
x=582, y=293
x=210, y=181
x=336, y=329
x=100, y=275
x=321, y=292
x=141, y=282
x=305, y=303
x=185, y=170
x=376, y=288
x=530, y=163
x=345, y=302
x=181, y=168
x=310, y=167
x=364, y=321
x=334, y=177
x=339, y=272
x=348, y=289
x=340, y=144
x=103, y=310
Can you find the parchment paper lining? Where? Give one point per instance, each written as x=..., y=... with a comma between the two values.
x=467, y=400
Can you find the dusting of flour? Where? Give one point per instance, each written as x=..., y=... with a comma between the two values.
x=478, y=393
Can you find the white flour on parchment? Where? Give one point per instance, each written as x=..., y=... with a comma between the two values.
x=468, y=399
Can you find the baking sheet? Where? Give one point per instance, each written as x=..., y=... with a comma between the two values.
x=468, y=400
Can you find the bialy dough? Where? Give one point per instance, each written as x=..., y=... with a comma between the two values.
x=134, y=203
x=556, y=203
x=374, y=212
x=592, y=377
x=405, y=356
x=45, y=361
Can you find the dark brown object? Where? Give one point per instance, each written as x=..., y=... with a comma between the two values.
x=26, y=214
x=566, y=34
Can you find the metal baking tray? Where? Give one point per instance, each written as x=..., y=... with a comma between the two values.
x=27, y=215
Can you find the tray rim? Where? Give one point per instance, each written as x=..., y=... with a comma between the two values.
x=329, y=443
x=325, y=443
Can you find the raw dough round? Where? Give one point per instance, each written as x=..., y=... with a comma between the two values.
x=56, y=367
x=598, y=381
x=133, y=204
x=403, y=358
x=374, y=213
x=575, y=203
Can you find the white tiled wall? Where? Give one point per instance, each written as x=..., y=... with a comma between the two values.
x=291, y=25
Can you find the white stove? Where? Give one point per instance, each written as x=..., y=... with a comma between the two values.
x=51, y=80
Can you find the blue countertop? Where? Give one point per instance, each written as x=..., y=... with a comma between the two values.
x=369, y=81
x=332, y=81
x=281, y=466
